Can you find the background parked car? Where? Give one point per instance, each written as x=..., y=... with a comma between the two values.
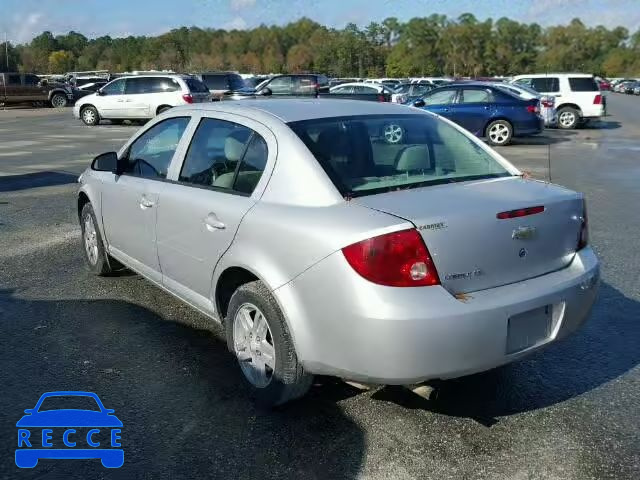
x=87, y=89
x=17, y=88
x=140, y=97
x=578, y=97
x=364, y=88
x=414, y=91
x=547, y=102
x=485, y=110
x=225, y=85
x=307, y=84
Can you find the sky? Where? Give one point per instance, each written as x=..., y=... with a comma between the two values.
x=21, y=20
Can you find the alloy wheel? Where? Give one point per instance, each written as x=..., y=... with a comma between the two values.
x=253, y=345
x=499, y=133
x=567, y=119
x=90, y=240
x=88, y=116
x=393, y=133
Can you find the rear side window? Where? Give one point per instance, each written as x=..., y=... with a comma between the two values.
x=114, y=88
x=13, y=79
x=442, y=97
x=196, y=86
x=583, y=84
x=138, y=85
x=224, y=155
x=152, y=85
x=546, y=84
x=475, y=96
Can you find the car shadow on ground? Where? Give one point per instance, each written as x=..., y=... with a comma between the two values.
x=602, y=125
x=547, y=137
x=12, y=183
x=177, y=390
x=606, y=347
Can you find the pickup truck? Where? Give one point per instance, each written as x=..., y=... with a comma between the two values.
x=16, y=88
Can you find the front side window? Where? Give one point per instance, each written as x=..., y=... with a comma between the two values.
x=545, y=84
x=442, y=97
x=150, y=154
x=475, y=96
x=224, y=155
x=280, y=85
x=114, y=88
x=364, y=89
x=365, y=155
x=343, y=90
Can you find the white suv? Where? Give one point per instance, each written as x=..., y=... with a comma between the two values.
x=577, y=95
x=140, y=97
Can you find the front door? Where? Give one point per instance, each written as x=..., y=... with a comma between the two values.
x=130, y=201
x=110, y=101
x=473, y=110
x=200, y=213
x=441, y=102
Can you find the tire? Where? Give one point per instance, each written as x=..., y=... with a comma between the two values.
x=58, y=100
x=95, y=256
x=568, y=118
x=392, y=133
x=163, y=109
x=90, y=116
x=287, y=381
x=499, y=133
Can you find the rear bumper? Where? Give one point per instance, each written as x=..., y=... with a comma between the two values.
x=357, y=330
x=529, y=127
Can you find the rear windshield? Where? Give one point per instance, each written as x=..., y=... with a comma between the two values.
x=364, y=155
x=196, y=86
x=583, y=84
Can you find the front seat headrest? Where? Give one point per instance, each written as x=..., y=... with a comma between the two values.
x=415, y=157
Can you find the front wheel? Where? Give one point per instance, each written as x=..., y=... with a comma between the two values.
x=258, y=335
x=94, y=251
x=499, y=133
x=90, y=116
x=58, y=100
x=568, y=118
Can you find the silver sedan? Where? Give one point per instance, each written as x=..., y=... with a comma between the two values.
x=324, y=247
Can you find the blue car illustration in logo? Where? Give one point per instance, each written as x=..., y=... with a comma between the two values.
x=42, y=431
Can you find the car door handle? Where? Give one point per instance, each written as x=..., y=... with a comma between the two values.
x=212, y=223
x=445, y=109
x=146, y=203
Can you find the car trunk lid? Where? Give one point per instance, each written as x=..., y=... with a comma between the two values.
x=471, y=247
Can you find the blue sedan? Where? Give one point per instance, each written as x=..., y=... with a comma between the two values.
x=484, y=110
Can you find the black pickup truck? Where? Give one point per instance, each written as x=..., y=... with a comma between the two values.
x=17, y=88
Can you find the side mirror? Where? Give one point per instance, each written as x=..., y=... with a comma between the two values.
x=100, y=92
x=266, y=91
x=29, y=411
x=419, y=103
x=109, y=410
x=106, y=162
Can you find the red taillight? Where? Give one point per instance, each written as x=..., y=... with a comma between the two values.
x=583, y=240
x=597, y=100
x=187, y=98
x=521, y=212
x=547, y=103
x=533, y=109
x=398, y=259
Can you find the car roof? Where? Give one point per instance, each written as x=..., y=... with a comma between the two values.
x=297, y=109
x=539, y=75
x=361, y=84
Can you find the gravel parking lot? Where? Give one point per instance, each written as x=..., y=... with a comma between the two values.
x=569, y=412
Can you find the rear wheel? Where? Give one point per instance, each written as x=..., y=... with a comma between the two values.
x=499, y=132
x=568, y=118
x=163, y=109
x=258, y=335
x=90, y=116
x=58, y=100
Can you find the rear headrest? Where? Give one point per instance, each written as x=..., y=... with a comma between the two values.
x=233, y=148
x=415, y=157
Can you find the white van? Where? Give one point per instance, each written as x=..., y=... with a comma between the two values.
x=139, y=97
x=578, y=98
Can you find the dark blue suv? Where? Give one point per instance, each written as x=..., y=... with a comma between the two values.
x=485, y=110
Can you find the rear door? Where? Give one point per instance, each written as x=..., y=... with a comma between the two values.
x=473, y=109
x=14, y=89
x=33, y=89
x=201, y=210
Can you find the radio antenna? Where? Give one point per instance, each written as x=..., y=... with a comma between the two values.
x=549, y=160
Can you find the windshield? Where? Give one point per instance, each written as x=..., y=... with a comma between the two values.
x=69, y=402
x=373, y=154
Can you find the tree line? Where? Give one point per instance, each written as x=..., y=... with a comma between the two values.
x=434, y=45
